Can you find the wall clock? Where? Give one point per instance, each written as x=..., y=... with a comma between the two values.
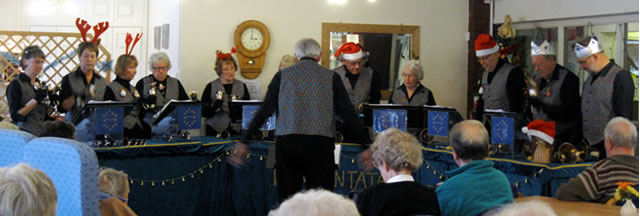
x=252, y=40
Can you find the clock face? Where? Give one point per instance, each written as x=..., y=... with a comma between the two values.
x=251, y=38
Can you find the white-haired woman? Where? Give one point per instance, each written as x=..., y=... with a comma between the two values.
x=159, y=88
x=412, y=92
x=114, y=192
x=26, y=191
x=397, y=154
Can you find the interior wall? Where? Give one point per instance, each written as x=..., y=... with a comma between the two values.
x=160, y=13
x=207, y=26
x=526, y=10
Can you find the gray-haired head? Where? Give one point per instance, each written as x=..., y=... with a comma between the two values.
x=307, y=47
x=26, y=191
x=528, y=208
x=400, y=150
x=621, y=132
x=159, y=57
x=316, y=202
x=415, y=67
x=470, y=140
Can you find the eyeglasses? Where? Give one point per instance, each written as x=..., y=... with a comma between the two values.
x=353, y=63
x=160, y=68
x=484, y=58
x=584, y=61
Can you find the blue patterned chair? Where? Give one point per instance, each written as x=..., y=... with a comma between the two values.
x=73, y=168
x=12, y=144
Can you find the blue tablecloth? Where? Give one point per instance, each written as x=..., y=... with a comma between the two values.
x=191, y=177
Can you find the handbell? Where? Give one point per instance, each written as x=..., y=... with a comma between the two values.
x=193, y=95
x=568, y=153
x=532, y=87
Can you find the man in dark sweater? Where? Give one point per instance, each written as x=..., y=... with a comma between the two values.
x=558, y=98
x=597, y=183
x=607, y=92
x=502, y=83
x=305, y=97
x=397, y=154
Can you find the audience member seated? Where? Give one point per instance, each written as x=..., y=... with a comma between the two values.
x=286, y=61
x=6, y=124
x=475, y=187
x=530, y=208
x=316, y=202
x=114, y=192
x=597, y=183
x=397, y=154
x=58, y=128
x=26, y=191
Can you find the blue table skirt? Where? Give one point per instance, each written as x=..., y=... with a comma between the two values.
x=191, y=177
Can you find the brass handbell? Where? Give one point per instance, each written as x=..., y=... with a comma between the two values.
x=219, y=95
x=568, y=153
x=193, y=95
x=532, y=87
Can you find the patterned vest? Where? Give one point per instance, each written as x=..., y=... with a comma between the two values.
x=420, y=97
x=360, y=93
x=305, y=100
x=82, y=91
x=172, y=91
x=550, y=95
x=33, y=121
x=118, y=89
x=220, y=120
x=597, y=106
x=495, y=94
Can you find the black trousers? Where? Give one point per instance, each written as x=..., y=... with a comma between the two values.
x=307, y=156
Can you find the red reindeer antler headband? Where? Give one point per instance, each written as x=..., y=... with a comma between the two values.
x=98, y=29
x=128, y=41
x=222, y=56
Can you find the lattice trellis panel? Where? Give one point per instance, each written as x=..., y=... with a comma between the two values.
x=60, y=58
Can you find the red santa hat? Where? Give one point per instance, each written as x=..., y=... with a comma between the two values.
x=541, y=129
x=485, y=45
x=349, y=51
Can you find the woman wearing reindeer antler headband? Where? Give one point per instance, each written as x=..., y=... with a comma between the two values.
x=220, y=91
x=84, y=83
x=120, y=89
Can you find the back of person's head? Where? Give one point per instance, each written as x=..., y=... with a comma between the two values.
x=470, y=140
x=287, y=60
x=26, y=191
x=621, y=132
x=400, y=150
x=8, y=125
x=529, y=208
x=307, y=47
x=114, y=182
x=58, y=128
x=316, y=203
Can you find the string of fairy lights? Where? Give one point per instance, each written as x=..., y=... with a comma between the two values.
x=219, y=159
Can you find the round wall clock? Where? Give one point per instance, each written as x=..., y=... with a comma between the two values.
x=252, y=39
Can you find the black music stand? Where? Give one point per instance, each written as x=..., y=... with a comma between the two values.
x=439, y=121
x=101, y=118
x=178, y=116
x=505, y=131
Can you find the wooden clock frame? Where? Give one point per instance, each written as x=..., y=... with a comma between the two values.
x=251, y=62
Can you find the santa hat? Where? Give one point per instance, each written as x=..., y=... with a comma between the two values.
x=541, y=129
x=592, y=48
x=349, y=51
x=545, y=48
x=485, y=45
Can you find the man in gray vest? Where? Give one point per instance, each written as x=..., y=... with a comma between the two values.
x=607, y=92
x=360, y=82
x=558, y=96
x=306, y=97
x=502, y=83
